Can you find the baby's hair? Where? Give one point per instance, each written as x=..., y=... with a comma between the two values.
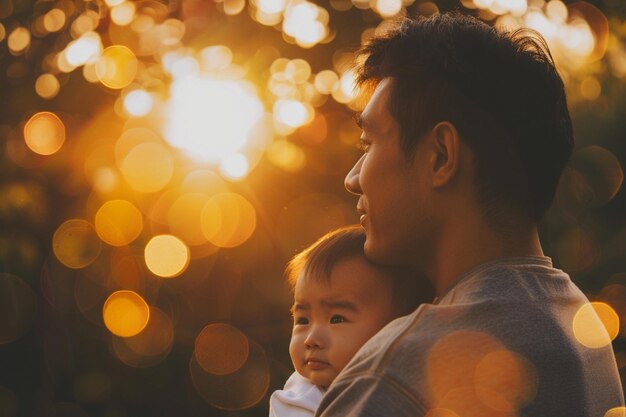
x=318, y=260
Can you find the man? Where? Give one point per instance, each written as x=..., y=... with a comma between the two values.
x=465, y=137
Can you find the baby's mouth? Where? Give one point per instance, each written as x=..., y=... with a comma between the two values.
x=316, y=364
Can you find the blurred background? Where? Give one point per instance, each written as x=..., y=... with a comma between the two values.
x=161, y=162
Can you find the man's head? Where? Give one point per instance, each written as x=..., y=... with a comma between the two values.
x=341, y=300
x=498, y=92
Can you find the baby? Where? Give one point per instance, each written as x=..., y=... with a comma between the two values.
x=341, y=300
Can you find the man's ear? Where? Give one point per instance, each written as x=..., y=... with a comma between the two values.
x=445, y=157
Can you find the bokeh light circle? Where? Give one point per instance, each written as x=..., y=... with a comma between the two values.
x=228, y=220
x=236, y=391
x=148, y=167
x=595, y=324
x=616, y=412
x=151, y=346
x=221, y=349
x=47, y=86
x=166, y=256
x=117, y=67
x=118, y=222
x=44, y=133
x=125, y=313
x=17, y=308
x=76, y=244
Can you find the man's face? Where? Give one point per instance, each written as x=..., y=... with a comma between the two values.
x=332, y=320
x=394, y=199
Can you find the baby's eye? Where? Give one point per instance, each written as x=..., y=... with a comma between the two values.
x=336, y=319
x=301, y=320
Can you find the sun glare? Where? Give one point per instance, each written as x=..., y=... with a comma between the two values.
x=211, y=119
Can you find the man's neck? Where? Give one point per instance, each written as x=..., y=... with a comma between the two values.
x=468, y=244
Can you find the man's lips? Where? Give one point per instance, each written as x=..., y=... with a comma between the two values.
x=362, y=212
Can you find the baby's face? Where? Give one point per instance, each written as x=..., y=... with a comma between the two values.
x=333, y=320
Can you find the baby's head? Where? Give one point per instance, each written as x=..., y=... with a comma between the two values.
x=341, y=300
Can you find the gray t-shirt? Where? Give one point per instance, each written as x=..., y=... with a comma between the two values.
x=501, y=342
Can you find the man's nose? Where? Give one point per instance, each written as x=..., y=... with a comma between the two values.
x=352, y=181
x=315, y=339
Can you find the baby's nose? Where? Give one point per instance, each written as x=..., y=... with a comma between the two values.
x=314, y=340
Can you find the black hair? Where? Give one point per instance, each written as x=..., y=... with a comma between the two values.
x=501, y=90
x=409, y=288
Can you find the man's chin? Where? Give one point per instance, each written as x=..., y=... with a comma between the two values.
x=382, y=254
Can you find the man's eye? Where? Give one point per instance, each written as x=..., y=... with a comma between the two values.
x=336, y=319
x=301, y=320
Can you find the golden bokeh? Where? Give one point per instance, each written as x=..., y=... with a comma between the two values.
x=388, y=8
x=234, y=7
x=616, y=412
x=166, y=256
x=185, y=217
x=54, y=20
x=148, y=167
x=287, y=155
x=590, y=88
x=453, y=360
x=235, y=167
x=47, y=86
x=509, y=380
x=76, y=244
x=138, y=102
x=125, y=313
x=238, y=390
x=117, y=67
x=18, y=307
x=326, y=81
x=221, y=349
x=228, y=220
x=151, y=346
x=18, y=40
x=123, y=14
x=595, y=325
x=44, y=133
x=118, y=222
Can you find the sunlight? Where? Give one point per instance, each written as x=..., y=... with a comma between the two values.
x=211, y=119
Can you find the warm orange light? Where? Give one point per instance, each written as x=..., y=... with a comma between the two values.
x=151, y=345
x=125, y=313
x=47, y=86
x=287, y=155
x=123, y=14
x=54, y=20
x=166, y=256
x=18, y=40
x=148, y=167
x=507, y=380
x=596, y=324
x=117, y=67
x=221, y=349
x=616, y=412
x=76, y=244
x=228, y=220
x=118, y=222
x=44, y=133
x=185, y=217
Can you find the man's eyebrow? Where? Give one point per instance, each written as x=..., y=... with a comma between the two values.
x=340, y=305
x=358, y=119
